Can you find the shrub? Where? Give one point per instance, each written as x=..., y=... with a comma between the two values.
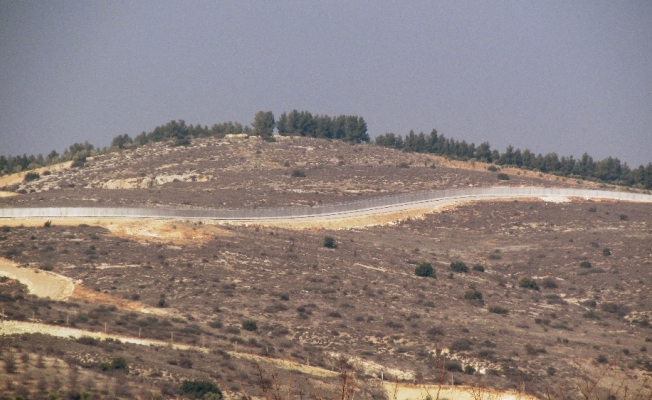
x=454, y=366
x=424, y=269
x=469, y=370
x=585, y=264
x=404, y=165
x=31, y=176
x=199, y=389
x=492, y=168
x=624, y=217
x=461, y=345
x=502, y=177
x=329, y=242
x=217, y=324
x=498, y=310
x=615, y=308
x=591, y=315
x=298, y=174
x=473, y=294
x=602, y=359
x=459, y=266
x=528, y=283
x=395, y=325
x=117, y=364
x=606, y=251
x=478, y=268
x=589, y=303
x=592, y=209
x=87, y=340
x=79, y=162
x=182, y=142
x=47, y=224
x=549, y=283
x=249, y=325
x=531, y=350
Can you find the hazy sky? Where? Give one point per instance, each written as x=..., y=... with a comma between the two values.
x=565, y=76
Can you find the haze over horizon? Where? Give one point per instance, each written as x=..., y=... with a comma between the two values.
x=548, y=76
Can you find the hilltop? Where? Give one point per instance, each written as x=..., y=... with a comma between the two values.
x=239, y=171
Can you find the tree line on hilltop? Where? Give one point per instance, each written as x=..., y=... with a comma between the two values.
x=608, y=170
x=353, y=129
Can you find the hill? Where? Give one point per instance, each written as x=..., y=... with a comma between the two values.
x=532, y=294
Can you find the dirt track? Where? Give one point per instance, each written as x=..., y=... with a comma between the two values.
x=39, y=283
x=394, y=391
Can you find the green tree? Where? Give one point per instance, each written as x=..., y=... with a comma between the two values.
x=264, y=124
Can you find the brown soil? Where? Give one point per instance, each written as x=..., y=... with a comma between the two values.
x=225, y=173
x=362, y=298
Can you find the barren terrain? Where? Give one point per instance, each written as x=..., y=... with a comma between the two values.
x=245, y=173
x=584, y=305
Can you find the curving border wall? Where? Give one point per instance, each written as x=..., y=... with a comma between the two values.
x=375, y=205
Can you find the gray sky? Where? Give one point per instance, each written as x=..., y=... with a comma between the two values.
x=547, y=75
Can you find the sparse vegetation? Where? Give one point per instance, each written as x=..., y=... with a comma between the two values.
x=32, y=176
x=329, y=242
x=502, y=177
x=249, y=325
x=528, y=283
x=459, y=266
x=497, y=310
x=478, y=268
x=585, y=264
x=425, y=270
x=297, y=173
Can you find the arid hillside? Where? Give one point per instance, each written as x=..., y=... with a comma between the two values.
x=531, y=295
x=241, y=171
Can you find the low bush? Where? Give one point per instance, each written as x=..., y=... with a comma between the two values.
x=117, y=364
x=606, y=251
x=591, y=315
x=249, y=325
x=589, y=303
x=498, y=310
x=298, y=174
x=31, y=176
x=549, y=283
x=461, y=345
x=502, y=177
x=469, y=370
x=532, y=350
x=615, y=308
x=602, y=359
x=459, y=266
x=624, y=217
x=528, y=283
x=199, y=389
x=425, y=270
x=473, y=294
x=329, y=242
x=478, y=268
x=585, y=264
x=492, y=168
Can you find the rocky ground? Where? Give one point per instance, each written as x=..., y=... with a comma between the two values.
x=241, y=173
x=362, y=300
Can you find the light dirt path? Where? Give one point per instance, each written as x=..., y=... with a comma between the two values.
x=420, y=392
x=39, y=283
x=393, y=390
x=20, y=327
